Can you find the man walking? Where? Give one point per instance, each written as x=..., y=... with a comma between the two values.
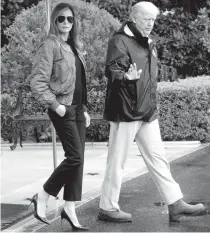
x=130, y=107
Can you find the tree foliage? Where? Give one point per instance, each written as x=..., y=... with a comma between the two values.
x=9, y=10
x=184, y=41
x=121, y=8
x=118, y=8
x=183, y=28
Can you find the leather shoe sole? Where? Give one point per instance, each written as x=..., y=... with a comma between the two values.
x=105, y=217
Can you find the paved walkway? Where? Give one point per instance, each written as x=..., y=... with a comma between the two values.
x=25, y=170
x=140, y=197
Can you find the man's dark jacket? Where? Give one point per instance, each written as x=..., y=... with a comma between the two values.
x=130, y=100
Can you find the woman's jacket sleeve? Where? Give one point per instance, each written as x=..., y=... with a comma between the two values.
x=41, y=75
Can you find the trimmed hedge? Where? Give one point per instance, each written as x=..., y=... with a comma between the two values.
x=182, y=110
x=98, y=131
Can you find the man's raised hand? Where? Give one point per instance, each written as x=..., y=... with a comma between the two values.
x=132, y=73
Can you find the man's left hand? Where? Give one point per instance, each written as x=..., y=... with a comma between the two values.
x=87, y=119
x=132, y=73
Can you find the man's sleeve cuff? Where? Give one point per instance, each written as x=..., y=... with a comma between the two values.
x=130, y=81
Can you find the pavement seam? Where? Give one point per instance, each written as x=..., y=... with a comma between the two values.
x=89, y=144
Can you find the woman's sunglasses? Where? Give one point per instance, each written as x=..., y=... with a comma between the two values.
x=61, y=19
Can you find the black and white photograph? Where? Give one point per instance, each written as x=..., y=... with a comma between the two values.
x=105, y=116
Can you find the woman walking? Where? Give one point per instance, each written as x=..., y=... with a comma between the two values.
x=59, y=82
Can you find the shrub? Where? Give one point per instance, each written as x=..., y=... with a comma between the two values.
x=9, y=9
x=98, y=131
x=8, y=106
x=26, y=33
x=183, y=109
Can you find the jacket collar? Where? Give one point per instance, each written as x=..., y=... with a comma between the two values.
x=153, y=38
x=61, y=43
x=128, y=32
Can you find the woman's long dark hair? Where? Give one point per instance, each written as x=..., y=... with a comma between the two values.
x=74, y=33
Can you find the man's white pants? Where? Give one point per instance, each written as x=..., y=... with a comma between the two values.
x=148, y=139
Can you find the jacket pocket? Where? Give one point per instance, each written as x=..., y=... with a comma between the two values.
x=61, y=70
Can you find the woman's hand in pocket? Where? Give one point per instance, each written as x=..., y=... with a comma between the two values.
x=61, y=110
x=87, y=119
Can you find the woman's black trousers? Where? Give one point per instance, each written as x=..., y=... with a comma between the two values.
x=71, y=131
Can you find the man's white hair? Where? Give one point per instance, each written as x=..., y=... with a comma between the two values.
x=144, y=7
